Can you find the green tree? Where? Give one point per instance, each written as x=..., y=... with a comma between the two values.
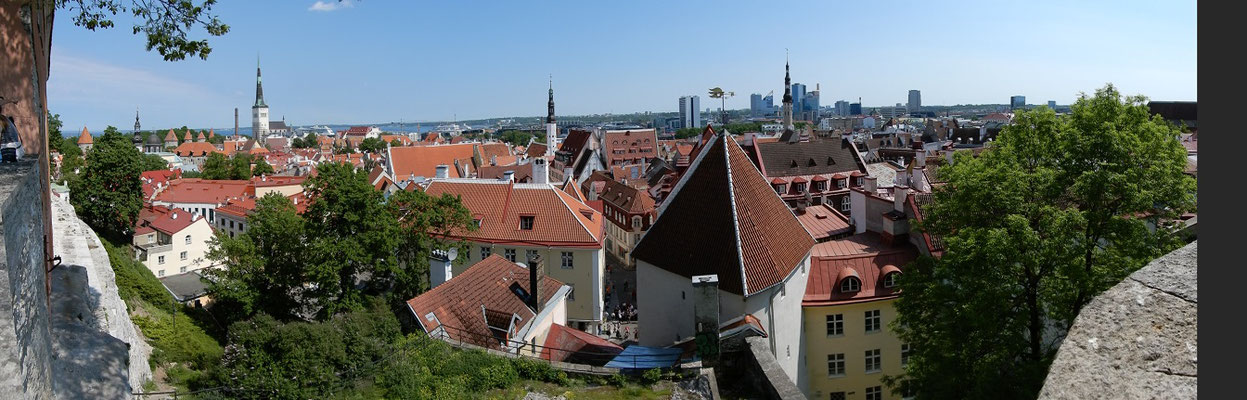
x=166, y=23
x=240, y=166
x=1033, y=228
x=152, y=162
x=396, y=143
x=216, y=166
x=261, y=167
x=516, y=138
x=351, y=233
x=371, y=145
x=263, y=268
x=108, y=194
x=425, y=222
x=55, y=140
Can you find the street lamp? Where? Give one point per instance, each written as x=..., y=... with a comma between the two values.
x=718, y=93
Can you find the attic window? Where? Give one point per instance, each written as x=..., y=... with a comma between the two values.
x=850, y=285
x=831, y=161
x=526, y=222
x=889, y=280
x=811, y=163
x=794, y=164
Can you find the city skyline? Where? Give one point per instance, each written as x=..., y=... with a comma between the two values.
x=366, y=62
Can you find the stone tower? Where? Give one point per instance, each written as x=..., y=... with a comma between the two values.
x=259, y=112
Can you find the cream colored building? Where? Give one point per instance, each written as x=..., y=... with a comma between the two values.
x=172, y=242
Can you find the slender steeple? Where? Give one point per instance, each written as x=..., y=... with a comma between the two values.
x=788, y=135
x=787, y=83
x=136, y=120
x=259, y=89
x=550, y=105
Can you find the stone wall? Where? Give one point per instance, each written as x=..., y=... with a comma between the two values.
x=25, y=338
x=766, y=371
x=1137, y=340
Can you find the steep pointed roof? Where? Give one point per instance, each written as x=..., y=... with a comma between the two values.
x=188, y=137
x=171, y=137
x=723, y=218
x=85, y=137
x=211, y=134
x=200, y=138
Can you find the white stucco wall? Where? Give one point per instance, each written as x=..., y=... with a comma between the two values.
x=200, y=232
x=586, y=276
x=779, y=310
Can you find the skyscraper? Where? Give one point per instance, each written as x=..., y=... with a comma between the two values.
x=1052, y=104
x=855, y=109
x=755, y=105
x=798, y=97
x=259, y=112
x=809, y=105
x=915, y=100
x=690, y=113
x=1018, y=101
x=842, y=108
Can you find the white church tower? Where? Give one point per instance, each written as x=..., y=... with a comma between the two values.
x=259, y=112
x=552, y=131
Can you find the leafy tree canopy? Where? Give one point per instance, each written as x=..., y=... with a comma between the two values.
x=167, y=24
x=109, y=194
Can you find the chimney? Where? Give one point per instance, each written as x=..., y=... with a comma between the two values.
x=443, y=171
x=536, y=274
x=508, y=176
x=541, y=170
x=870, y=183
x=920, y=157
x=899, y=193
x=902, y=178
x=706, y=318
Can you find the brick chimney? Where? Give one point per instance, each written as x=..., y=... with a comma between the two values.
x=536, y=274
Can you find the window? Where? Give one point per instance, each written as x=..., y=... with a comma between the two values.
x=188, y=239
x=835, y=365
x=477, y=221
x=837, y=396
x=874, y=393
x=779, y=188
x=526, y=222
x=800, y=188
x=529, y=254
x=873, y=361
x=571, y=293
x=859, y=181
x=567, y=260
x=872, y=321
x=835, y=325
x=636, y=222
x=820, y=186
x=160, y=260
x=850, y=285
x=240, y=227
x=231, y=223
x=509, y=254
x=889, y=280
x=844, y=204
x=904, y=354
x=485, y=252
x=183, y=256
x=160, y=273
x=183, y=269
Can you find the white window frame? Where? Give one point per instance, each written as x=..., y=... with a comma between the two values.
x=160, y=260
x=182, y=270
x=850, y=285
x=905, y=349
x=568, y=260
x=182, y=255
x=835, y=365
x=835, y=325
x=889, y=280
x=875, y=319
x=188, y=239
x=874, y=358
x=160, y=273
x=846, y=204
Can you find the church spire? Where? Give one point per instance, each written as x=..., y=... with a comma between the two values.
x=550, y=113
x=788, y=135
x=136, y=120
x=259, y=89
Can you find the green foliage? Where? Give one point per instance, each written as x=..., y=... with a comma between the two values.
x=261, y=167
x=192, y=174
x=309, y=141
x=651, y=376
x=618, y=380
x=424, y=222
x=520, y=138
x=152, y=162
x=1033, y=228
x=216, y=166
x=175, y=338
x=165, y=23
x=134, y=280
x=240, y=165
x=108, y=194
x=685, y=133
x=264, y=267
x=55, y=140
x=372, y=145
x=396, y=143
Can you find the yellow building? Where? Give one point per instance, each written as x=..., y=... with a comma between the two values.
x=516, y=220
x=847, y=308
x=171, y=242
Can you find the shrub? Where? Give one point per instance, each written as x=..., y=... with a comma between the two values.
x=134, y=280
x=651, y=376
x=618, y=380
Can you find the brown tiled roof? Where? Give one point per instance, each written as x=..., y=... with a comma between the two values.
x=574, y=144
x=559, y=219
x=863, y=256
x=643, y=143
x=458, y=303
x=168, y=221
x=523, y=172
x=564, y=344
x=489, y=150
x=573, y=190
x=357, y=130
x=423, y=160
x=808, y=158
x=152, y=178
x=536, y=149
x=627, y=197
x=725, y=219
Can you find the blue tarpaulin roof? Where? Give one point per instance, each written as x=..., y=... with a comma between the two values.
x=643, y=357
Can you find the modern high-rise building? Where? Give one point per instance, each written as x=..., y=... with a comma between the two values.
x=798, y=97
x=1052, y=104
x=809, y=105
x=755, y=105
x=915, y=100
x=855, y=109
x=690, y=113
x=842, y=108
x=1018, y=101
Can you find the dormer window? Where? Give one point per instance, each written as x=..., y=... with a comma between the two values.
x=636, y=222
x=526, y=222
x=811, y=163
x=859, y=181
x=889, y=280
x=800, y=188
x=850, y=285
x=779, y=188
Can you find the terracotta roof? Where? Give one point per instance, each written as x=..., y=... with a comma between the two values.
x=504, y=160
x=523, y=172
x=573, y=346
x=402, y=139
x=458, y=303
x=627, y=197
x=173, y=221
x=778, y=181
x=725, y=209
x=490, y=150
x=536, y=149
x=423, y=160
x=573, y=190
x=153, y=178
x=203, y=191
x=558, y=218
x=808, y=158
x=201, y=137
x=195, y=149
x=277, y=180
x=800, y=180
x=357, y=130
x=823, y=221
x=629, y=145
x=85, y=137
x=188, y=137
x=864, y=256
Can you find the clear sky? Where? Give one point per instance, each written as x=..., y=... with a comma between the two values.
x=375, y=61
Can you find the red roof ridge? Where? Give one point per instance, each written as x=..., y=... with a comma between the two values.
x=560, y=194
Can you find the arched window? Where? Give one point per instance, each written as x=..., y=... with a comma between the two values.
x=889, y=280
x=188, y=239
x=850, y=285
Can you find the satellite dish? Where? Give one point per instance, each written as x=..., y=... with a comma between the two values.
x=452, y=254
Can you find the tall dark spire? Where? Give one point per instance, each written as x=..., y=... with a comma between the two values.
x=550, y=113
x=787, y=84
x=136, y=120
x=259, y=89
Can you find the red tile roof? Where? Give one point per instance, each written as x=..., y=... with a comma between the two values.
x=536, y=149
x=725, y=209
x=458, y=303
x=167, y=221
x=402, y=139
x=423, y=160
x=823, y=221
x=85, y=137
x=864, y=256
x=630, y=145
x=171, y=137
x=151, y=179
x=559, y=219
x=195, y=149
x=357, y=130
x=203, y=191
x=572, y=189
x=489, y=150
x=571, y=345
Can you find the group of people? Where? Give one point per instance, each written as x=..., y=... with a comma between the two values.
x=623, y=312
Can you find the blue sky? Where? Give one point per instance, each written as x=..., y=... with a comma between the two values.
x=381, y=60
